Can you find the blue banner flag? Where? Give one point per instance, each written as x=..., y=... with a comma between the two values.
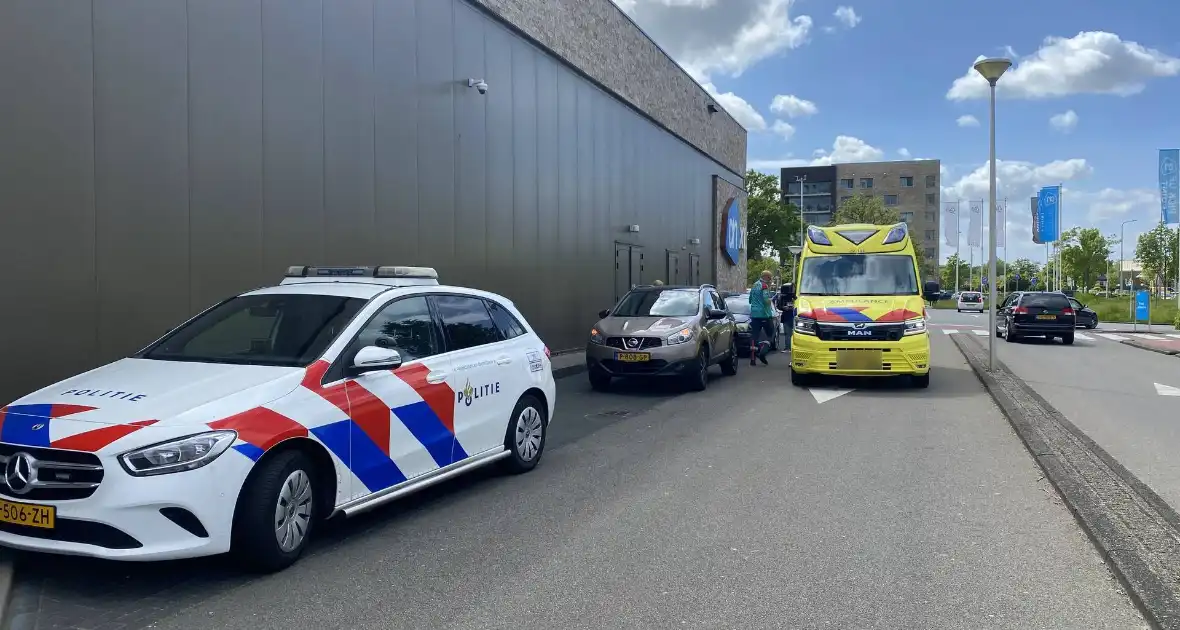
x=1036, y=221
x=1048, y=203
x=1170, y=185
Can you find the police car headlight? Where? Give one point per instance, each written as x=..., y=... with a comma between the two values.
x=915, y=326
x=683, y=336
x=805, y=325
x=743, y=326
x=186, y=453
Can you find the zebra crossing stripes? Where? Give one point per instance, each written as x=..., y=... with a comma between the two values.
x=978, y=331
x=1111, y=337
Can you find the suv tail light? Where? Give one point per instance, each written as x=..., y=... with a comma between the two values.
x=1067, y=310
x=1020, y=310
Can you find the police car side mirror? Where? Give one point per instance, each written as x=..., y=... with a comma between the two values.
x=373, y=358
x=716, y=313
x=604, y=313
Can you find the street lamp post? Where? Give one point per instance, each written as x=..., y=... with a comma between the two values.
x=1122, y=236
x=802, y=227
x=795, y=250
x=991, y=70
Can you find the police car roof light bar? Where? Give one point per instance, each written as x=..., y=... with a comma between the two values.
x=386, y=271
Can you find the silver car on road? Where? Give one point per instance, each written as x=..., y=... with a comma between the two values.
x=663, y=331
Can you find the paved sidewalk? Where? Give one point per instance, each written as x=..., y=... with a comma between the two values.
x=1155, y=343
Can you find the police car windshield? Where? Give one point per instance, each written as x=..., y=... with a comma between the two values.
x=738, y=304
x=659, y=303
x=287, y=330
x=858, y=274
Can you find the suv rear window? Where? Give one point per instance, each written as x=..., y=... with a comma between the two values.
x=1045, y=300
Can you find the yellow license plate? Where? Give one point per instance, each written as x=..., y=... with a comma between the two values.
x=858, y=359
x=1046, y=317
x=41, y=516
x=633, y=357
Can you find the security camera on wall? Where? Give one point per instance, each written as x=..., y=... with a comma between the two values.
x=478, y=84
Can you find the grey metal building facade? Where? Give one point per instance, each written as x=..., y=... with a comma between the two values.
x=157, y=156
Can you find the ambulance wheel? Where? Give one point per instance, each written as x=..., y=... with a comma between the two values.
x=275, y=514
x=525, y=437
x=921, y=381
x=798, y=379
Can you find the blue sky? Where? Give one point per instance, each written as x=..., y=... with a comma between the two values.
x=1092, y=97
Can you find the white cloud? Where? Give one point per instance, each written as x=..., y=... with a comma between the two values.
x=905, y=153
x=967, y=120
x=847, y=16
x=1016, y=181
x=792, y=106
x=783, y=128
x=844, y=149
x=1116, y=204
x=741, y=110
x=1064, y=122
x=707, y=36
x=1091, y=62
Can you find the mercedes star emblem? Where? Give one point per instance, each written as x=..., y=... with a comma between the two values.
x=20, y=474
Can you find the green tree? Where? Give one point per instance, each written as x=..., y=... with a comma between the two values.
x=771, y=223
x=755, y=268
x=1156, y=253
x=1084, y=254
x=1020, y=273
x=871, y=209
x=865, y=209
x=948, y=272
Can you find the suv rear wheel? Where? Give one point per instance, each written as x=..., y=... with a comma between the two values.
x=729, y=367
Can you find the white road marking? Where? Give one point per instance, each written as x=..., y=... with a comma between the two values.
x=1153, y=337
x=1111, y=337
x=824, y=394
x=981, y=333
x=1083, y=336
x=949, y=331
x=1173, y=336
x=1167, y=390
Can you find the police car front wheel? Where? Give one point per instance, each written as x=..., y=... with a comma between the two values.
x=525, y=438
x=275, y=514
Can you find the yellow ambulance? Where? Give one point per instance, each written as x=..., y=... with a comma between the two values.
x=860, y=309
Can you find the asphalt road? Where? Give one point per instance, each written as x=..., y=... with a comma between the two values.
x=748, y=506
x=1107, y=389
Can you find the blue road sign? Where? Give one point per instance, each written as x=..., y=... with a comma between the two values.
x=1033, y=281
x=1142, y=305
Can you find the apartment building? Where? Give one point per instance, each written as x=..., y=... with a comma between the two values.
x=911, y=187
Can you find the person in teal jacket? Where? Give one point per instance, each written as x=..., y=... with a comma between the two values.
x=762, y=318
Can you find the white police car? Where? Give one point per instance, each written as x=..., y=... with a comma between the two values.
x=336, y=391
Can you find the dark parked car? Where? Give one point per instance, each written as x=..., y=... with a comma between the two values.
x=1036, y=314
x=1085, y=317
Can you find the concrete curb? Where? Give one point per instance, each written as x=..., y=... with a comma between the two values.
x=1135, y=531
x=568, y=370
x=1142, y=345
